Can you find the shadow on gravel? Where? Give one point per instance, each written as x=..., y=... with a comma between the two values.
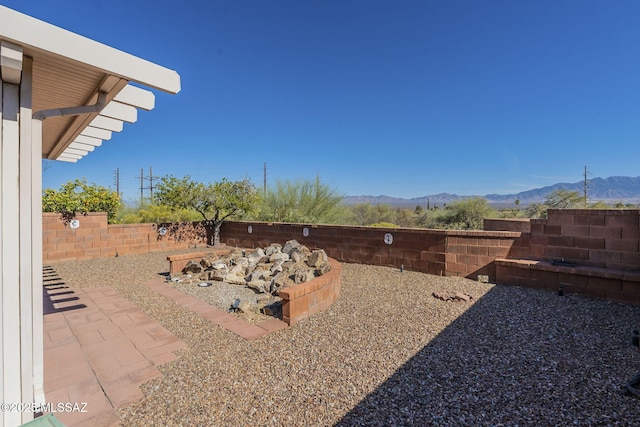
x=516, y=357
x=52, y=288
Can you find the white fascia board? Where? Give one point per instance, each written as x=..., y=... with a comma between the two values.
x=62, y=158
x=136, y=97
x=107, y=123
x=119, y=111
x=88, y=140
x=81, y=146
x=25, y=30
x=10, y=62
x=70, y=150
x=70, y=155
x=96, y=133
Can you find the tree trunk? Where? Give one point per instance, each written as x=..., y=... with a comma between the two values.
x=216, y=233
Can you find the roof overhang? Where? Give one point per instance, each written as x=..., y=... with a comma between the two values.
x=72, y=71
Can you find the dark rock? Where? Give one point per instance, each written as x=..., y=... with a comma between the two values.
x=192, y=267
x=303, y=275
x=323, y=269
x=459, y=296
x=259, y=286
x=317, y=258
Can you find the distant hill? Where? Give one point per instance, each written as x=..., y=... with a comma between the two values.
x=609, y=190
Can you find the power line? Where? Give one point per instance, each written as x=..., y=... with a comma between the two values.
x=142, y=186
x=586, y=185
x=117, y=179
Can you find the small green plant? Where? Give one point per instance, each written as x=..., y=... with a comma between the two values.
x=303, y=201
x=384, y=225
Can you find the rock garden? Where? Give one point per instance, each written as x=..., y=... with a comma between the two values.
x=249, y=282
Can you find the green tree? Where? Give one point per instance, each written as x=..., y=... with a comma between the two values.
x=368, y=214
x=470, y=213
x=362, y=214
x=215, y=202
x=79, y=196
x=405, y=218
x=465, y=214
x=536, y=210
x=305, y=201
x=434, y=218
x=146, y=213
x=564, y=199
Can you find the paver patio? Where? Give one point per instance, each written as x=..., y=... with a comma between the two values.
x=98, y=347
x=241, y=327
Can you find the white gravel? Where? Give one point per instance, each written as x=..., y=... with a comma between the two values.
x=389, y=354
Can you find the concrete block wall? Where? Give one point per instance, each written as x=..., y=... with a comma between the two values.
x=439, y=252
x=603, y=244
x=613, y=285
x=470, y=253
x=597, y=238
x=601, y=248
x=94, y=238
x=521, y=225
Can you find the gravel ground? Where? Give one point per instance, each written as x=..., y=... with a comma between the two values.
x=223, y=295
x=389, y=354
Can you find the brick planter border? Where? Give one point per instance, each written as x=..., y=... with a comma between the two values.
x=299, y=301
x=306, y=299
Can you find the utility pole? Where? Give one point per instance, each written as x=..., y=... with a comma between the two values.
x=264, y=175
x=586, y=186
x=150, y=187
x=141, y=186
x=151, y=183
x=117, y=178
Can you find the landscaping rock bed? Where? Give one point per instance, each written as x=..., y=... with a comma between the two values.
x=389, y=353
x=248, y=283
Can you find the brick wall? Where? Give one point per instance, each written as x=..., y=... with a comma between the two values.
x=306, y=299
x=439, y=252
x=601, y=249
x=592, y=239
x=597, y=238
x=94, y=238
x=522, y=225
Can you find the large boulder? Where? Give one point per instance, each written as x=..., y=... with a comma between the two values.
x=192, y=268
x=317, y=258
x=260, y=286
x=291, y=244
x=302, y=275
x=273, y=249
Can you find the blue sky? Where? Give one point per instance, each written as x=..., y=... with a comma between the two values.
x=401, y=98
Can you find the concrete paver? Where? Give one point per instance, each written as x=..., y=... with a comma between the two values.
x=98, y=348
x=241, y=327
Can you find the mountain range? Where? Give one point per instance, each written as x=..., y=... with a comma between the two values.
x=609, y=190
